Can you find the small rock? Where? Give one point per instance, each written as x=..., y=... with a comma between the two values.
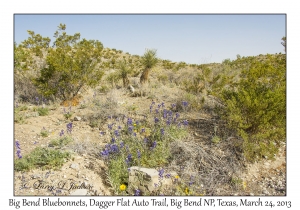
x=74, y=166
x=35, y=176
x=79, y=192
x=76, y=118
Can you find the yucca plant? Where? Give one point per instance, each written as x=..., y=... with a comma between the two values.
x=124, y=71
x=149, y=60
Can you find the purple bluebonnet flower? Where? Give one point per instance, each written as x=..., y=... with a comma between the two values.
x=137, y=192
x=121, y=144
x=185, y=103
x=168, y=175
x=105, y=153
x=162, y=131
x=143, y=130
x=177, y=115
x=185, y=123
x=158, y=106
x=101, y=133
x=61, y=133
x=19, y=154
x=152, y=103
x=117, y=133
x=153, y=146
x=128, y=159
x=134, y=133
x=150, y=108
x=156, y=120
x=165, y=113
x=162, y=104
x=168, y=122
x=18, y=145
x=156, y=110
x=170, y=113
x=155, y=185
x=119, y=127
x=129, y=121
x=160, y=173
x=110, y=126
x=37, y=99
x=145, y=140
x=128, y=169
x=173, y=106
x=114, y=148
x=113, y=140
x=138, y=154
x=130, y=128
x=69, y=127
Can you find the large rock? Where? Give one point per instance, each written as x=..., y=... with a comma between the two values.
x=147, y=180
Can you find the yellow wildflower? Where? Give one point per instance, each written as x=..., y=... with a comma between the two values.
x=123, y=187
x=186, y=191
x=244, y=184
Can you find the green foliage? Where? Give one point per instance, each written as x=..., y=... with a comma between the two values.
x=256, y=106
x=70, y=63
x=63, y=141
x=124, y=71
x=113, y=78
x=43, y=158
x=44, y=133
x=148, y=61
x=68, y=115
x=43, y=111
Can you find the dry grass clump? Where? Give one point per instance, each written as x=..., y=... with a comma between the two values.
x=212, y=168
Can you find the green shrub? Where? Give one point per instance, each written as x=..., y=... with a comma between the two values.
x=43, y=111
x=43, y=158
x=44, y=133
x=256, y=107
x=63, y=141
x=70, y=64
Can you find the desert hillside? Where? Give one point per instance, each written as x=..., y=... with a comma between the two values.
x=85, y=116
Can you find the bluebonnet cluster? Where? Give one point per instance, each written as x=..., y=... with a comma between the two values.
x=128, y=159
x=18, y=150
x=137, y=192
x=69, y=127
x=61, y=133
x=109, y=149
x=161, y=173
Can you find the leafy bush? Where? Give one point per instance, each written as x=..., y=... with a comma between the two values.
x=41, y=157
x=70, y=64
x=62, y=141
x=256, y=107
